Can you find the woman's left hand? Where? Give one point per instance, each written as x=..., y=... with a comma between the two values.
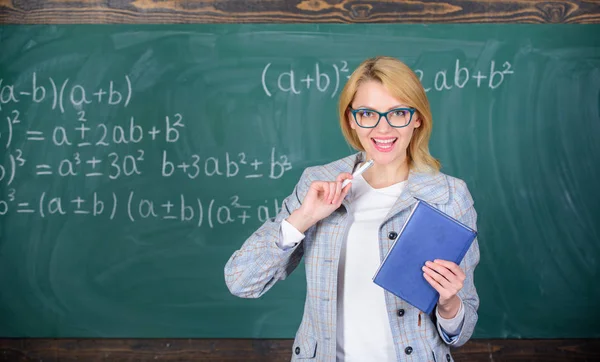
x=447, y=278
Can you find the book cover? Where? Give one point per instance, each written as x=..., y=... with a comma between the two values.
x=428, y=234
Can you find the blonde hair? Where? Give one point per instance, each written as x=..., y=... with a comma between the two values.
x=403, y=84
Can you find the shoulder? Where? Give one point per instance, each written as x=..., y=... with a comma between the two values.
x=459, y=191
x=440, y=189
x=460, y=200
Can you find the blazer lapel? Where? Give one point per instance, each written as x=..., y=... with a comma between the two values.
x=355, y=160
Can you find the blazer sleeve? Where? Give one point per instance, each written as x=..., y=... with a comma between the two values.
x=252, y=270
x=468, y=216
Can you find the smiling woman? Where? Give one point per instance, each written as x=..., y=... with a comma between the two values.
x=349, y=226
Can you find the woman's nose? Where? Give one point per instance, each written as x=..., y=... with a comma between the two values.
x=383, y=125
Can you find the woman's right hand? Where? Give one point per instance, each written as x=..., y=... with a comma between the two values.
x=323, y=198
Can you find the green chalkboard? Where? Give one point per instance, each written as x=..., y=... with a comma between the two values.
x=136, y=159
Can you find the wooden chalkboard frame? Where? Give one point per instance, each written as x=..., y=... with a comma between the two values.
x=298, y=11
x=270, y=350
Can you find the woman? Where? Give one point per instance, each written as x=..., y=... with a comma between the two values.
x=343, y=234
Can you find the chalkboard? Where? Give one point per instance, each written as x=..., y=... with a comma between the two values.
x=136, y=159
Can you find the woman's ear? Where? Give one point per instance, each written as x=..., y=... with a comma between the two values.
x=418, y=122
x=351, y=122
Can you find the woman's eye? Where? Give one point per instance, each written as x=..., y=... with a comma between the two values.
x=366, y=114
x=399, y=113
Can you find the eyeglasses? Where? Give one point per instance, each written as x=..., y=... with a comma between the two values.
x=368, y=118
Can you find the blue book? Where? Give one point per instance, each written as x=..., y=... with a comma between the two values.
x=428, y=234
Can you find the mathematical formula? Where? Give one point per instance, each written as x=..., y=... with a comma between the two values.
x=135, y=207
x=59, y=94
x=328, y=79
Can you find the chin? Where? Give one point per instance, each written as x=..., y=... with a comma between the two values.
x=386, y=159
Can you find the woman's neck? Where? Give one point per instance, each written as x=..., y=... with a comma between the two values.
x=380, y=176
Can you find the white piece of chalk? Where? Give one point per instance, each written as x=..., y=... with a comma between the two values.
x=360, y=170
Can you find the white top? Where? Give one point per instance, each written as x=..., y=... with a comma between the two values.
x=363, y=328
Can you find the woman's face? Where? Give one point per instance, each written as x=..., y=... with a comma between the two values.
x=385, y=144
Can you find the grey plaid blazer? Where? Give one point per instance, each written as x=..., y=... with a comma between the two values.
x=259, y=264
